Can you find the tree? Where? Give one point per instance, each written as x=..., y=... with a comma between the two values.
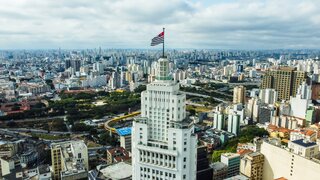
x=80, y=127
x=217, y=154
x=192, y=112
x=140, y=88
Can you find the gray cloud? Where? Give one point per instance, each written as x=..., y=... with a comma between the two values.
x=235, y=24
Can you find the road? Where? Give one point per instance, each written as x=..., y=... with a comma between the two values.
x=194, y=104
x=204, y=96
x=39, y=119
x=25, y=130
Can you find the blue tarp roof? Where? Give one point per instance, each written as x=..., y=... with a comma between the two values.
x=124, y=131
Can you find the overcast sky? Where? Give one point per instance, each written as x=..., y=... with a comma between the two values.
x=212, y=24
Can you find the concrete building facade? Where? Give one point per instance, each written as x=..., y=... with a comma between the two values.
x=163, y=143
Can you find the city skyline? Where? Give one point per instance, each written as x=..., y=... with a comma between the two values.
x=234, y=24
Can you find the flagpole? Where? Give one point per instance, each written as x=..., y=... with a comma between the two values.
x=163, y=44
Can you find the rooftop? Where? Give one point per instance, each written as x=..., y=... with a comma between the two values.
x=218, y=166
x=303, y=143
x=238, y=177
x=281, y=178
x=124, y=131
x=119, y=170
x=119, y=154
x=230, y=155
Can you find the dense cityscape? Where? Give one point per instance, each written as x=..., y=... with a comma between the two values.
x=194, y=114
x=226, y=90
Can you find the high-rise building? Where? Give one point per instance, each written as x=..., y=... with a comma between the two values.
x=253, y=106
x=239, y=94
x=68, y=63
x=232, y=160
x=218, y=121
x=75, y=64
x=251, y=165
x=234, y=123
x=114, y=81
x=268, y=96
x=163, y=140
x=285, y=81
x=300, y=103
x=69, y=160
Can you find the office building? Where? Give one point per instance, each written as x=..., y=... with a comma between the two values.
x=239, y=94
x=232, y=160
x=69, y=160
x=204, y=171
x=251, y=165
x=285, y=81
x=163, y=140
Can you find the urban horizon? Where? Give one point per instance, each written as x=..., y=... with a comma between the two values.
x=154, y=90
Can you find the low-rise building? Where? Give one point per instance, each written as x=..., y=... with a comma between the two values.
x=232, y=160
x=304, y=147
x=281, y=162
x=252, y=165
x=125, y=138
x=220, y=170
x=117, y=171
x=69, y=160
x=117, y=154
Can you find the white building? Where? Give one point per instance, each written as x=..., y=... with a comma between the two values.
x=304, y=148
x=301, y=102
x=252, y=73
x=96, y=81
x=163, y=143
x=280, y=162
x=98, y=67
x=234, y=123
x=253, y=106
x=268, y=96
x=218, y=120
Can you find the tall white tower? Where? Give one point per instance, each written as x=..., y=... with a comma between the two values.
x=163, y=143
